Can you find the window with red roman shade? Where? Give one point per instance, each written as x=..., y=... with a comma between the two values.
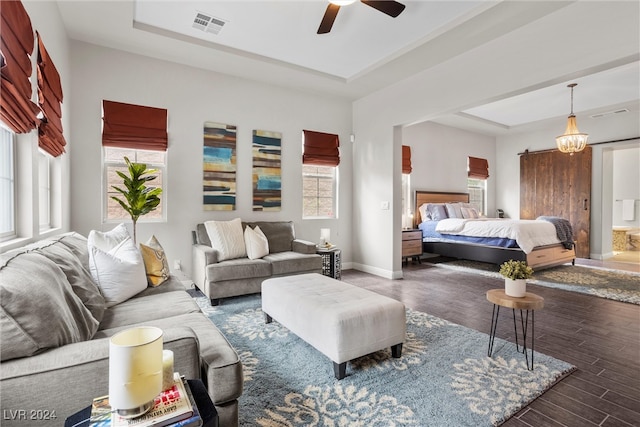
x=134, y=126
x=406, y=159
x=321, y=149
x=50, y=137
x=478, y=168
x=16, y=45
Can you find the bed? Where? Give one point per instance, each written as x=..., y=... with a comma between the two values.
x=440, y=236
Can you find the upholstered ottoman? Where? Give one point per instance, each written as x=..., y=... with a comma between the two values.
x=341, y=321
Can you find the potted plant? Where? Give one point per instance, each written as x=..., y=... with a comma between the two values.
x=515, y=275
x=139, y=199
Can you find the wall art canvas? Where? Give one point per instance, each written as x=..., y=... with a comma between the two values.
x=219, y=167
x=267, y=183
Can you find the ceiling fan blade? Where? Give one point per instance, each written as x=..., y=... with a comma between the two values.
x=391, y=8
x=328, y=18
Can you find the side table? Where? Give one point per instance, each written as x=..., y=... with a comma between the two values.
x=530, y=302
x=331, y=262
x=206, y=408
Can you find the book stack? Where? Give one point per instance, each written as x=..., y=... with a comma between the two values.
x=174, y=407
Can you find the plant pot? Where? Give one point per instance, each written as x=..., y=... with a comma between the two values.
x=515, y=288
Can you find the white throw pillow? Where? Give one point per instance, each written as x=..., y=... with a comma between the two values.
x=227, y=238
x=106, y=240
x=256, y=243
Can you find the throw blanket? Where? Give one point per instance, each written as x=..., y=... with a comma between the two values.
x=527, y=233
x=563, y=229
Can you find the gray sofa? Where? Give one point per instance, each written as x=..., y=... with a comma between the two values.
x=242, y=276
x=55, y=329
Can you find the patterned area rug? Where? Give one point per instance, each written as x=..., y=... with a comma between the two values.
x=605, y=283
x=444, y=377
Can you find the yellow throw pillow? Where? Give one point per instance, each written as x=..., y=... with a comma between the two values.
x=155, y=262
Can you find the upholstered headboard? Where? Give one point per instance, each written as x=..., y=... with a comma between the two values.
x=435, y=197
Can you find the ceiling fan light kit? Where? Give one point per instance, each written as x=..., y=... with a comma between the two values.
x=572, y=141
x=388, y=7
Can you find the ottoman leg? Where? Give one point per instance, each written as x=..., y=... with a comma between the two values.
x=396, y=350
x=267, y=318
x=340, y=370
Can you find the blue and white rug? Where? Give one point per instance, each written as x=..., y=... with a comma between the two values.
x=444, y=377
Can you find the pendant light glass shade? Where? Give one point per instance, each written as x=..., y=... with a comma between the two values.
x=341, y=2
x=572, y=140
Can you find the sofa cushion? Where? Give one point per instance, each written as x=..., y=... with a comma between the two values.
x=30, y=283
x=241, y=268
x=227, y=238
x=293, y=262
x=119, y=272
x=151, y=307
x=256, y=243
x=155, y=262
x=280, y=234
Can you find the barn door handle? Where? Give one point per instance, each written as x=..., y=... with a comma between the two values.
x=584, y=204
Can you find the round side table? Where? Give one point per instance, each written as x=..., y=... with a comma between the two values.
x=529, y=303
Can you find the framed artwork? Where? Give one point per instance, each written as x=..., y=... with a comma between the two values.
x=267, y=181
x=219, y=167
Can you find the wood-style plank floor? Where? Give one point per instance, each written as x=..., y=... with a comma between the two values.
x=601, y=337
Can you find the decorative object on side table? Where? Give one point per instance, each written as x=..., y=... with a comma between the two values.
x=515, y=275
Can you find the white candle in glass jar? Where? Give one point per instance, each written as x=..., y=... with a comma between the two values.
x=167, y=369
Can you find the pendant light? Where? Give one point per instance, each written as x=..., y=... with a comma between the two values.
x=572, y=140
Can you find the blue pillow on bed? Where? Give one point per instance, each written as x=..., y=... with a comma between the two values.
x=437, y=211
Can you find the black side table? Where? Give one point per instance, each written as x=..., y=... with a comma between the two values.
x=331, y=262
x=207, y=411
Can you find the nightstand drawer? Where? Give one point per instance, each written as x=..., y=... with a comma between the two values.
x=412, y=235
x=411, y=247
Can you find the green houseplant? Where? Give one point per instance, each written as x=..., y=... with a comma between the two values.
x=515, y=275
x=139, y=199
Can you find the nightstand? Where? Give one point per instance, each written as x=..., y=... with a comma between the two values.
x=411, y=245
x=331, y=262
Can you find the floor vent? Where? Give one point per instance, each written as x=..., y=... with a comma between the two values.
x=208, y=23
x=608, y=113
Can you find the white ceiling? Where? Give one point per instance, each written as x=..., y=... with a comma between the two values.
x=276, y=42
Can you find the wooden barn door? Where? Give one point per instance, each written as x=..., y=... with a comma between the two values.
x=558, y=184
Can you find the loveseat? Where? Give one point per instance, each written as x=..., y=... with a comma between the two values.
x=55, y=329
x=241, y=276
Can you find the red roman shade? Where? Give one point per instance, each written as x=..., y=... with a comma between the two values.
x=134, y=126
x=321, y=149
x=406, y=159
x=16, y=36
x=50, y=137
x=478, y=168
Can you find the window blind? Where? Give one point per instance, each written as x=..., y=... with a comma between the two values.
x=406, y=159
x=321, y=149
x=134, y=126
x=478, y=168
x=16, y=44
x=50, y=137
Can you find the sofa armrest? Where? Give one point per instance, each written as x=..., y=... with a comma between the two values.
x=63, y=380
x=201, y=257
x=303, y=246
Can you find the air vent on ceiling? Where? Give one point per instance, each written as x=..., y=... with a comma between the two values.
x=608, y=113
x=208, y=23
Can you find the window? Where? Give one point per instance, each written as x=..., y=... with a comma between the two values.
x=407, y=215
x=319, y=185
x=7, y=185
x=477, y=189
x=44, y=190
x=114, y=161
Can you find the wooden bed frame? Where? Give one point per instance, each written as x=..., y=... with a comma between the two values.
x=540, y=257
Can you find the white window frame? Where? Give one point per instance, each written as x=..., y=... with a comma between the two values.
x=306, y=173
x=407, y=213
x=44, y=191
x=9, y=206
x=106, y=186
x=475, y=186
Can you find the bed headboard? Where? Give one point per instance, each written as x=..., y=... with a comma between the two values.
x=435, y=197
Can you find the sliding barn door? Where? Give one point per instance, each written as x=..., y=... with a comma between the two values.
x=558, y=184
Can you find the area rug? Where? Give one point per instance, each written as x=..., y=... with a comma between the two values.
x=605, y=283
x=444, y=377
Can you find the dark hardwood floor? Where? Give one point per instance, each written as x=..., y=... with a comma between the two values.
x=601, y=337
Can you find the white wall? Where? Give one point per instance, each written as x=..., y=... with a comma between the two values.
x=45, y=18
x=439, y=155
x=626, y=184
x=532, y=55
x=193, y=96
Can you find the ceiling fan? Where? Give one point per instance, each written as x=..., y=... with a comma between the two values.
x=389, y=7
